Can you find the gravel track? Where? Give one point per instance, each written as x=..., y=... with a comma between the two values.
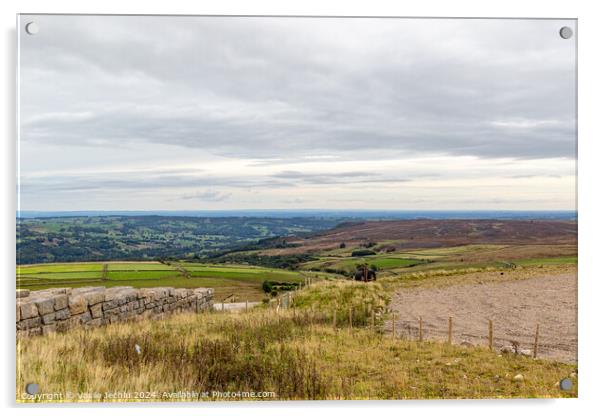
x=515, y=307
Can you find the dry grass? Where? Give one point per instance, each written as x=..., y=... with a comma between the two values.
x=468, y=275
x=295, y=353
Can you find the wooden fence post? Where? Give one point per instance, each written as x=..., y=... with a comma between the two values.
x=247, y=305
x=536, y=344
x=420, y=329
x=223, y=306
x=490, y=335
x=449, y=331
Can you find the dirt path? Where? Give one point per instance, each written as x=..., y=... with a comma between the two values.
x=235, y=306
x=515, y=307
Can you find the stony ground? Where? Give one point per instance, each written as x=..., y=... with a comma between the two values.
x=515, y=307
x=234, y=306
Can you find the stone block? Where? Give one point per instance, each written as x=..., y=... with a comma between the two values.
x=81, y=318
x=45, y=305
x=86, y=290
x=22, y=293
x=62, y=314
x=96, y=310
x=61, y=302
x=49, y=318
x=111, y=304
x=78, y=304
x=94, y=298
x=29, y=323
x=119, y=292
x=28, y=309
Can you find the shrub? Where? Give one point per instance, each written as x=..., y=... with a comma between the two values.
x=362, y=252
x=266, y=286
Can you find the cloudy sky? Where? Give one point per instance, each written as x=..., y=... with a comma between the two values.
x=143, y=113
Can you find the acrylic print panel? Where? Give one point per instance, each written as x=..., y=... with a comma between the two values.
x=293, y=208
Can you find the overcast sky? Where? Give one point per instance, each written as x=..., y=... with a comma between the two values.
x=187, y=113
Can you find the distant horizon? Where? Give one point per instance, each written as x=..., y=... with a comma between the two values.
x=342, y=213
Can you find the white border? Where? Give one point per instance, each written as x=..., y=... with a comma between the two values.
x=590, y=108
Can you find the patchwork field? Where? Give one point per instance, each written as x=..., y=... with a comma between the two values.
x=229, y=281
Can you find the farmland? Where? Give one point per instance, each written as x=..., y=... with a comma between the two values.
x=243, y=282
x=239, y=273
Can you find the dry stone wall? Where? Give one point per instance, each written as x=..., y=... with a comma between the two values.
x=51, y=310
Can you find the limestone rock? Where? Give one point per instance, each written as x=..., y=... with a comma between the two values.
x=96, y=311
x=61, y=302
x=45, y=305
x=22, y=293
x=28, y=310
x=78, y=304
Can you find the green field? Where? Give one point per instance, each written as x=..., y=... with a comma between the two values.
x=244, y=282
x=249, y=273
x=348, y=264
x=450, y=251
x=239, y=282
x=59, y=267
x=545, y=261
x=452, y=259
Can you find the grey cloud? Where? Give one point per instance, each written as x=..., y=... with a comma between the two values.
x=208, y=196
x=271, y=88
x=161, y=179
x=336, y=178
x=529, y=176
x=140, y=180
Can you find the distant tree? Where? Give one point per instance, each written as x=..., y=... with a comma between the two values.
x=267, y=286
x=362, y=252
x=342, y=245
